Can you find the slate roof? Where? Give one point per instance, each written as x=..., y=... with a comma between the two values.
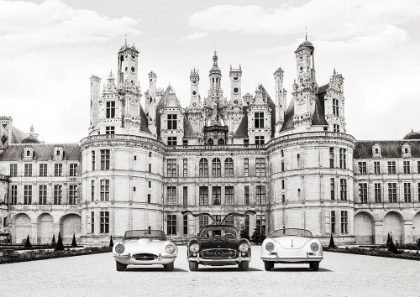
x=389, y=149
x=18, y=136
x=242, y=131
x=43, y=152
x=158, y=108
x=412, y=135
x=144, y=121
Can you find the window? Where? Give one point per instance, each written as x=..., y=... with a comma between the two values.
x=378, y=193
x=332, y=187
x=261, y=195
x=259, y=120
x=73, y=195
x=221, y=141
x=260, y=223
x=93, y=160
x=333, y=221
x=28, y=153
x=185, y=224
x=392, y=192
x=92, y=222
x=246, y=190
x=110, y=109
x=171, y=224
x=104, y=189
x=58, y=169
x=149, y=198
x=392, y=168
x=362, y=168
x=363, y=192
x=13, y=194
x=406, y=167
x=336, y=128
x=172, y=140
x=229, y=196
x=282, y=184
x=343, y=189
x=27, y=194
x=184, y=195
x=344, y=222
x=57, y=153
x=246, y=142
x=42, y=169
x=28, y=169
x=246, y=167
x=210, y=141
x=203, y=170
x=407, y=192
x=298, y=161
x=203, y=196
x=203, y=220
x=171, y=167
x=283, y=198
x=105, y=156
x=92, y=190
x=418, y=166
x=343, y=158
x=42, y=194
x=13, y=170
x=217, y=195
x=331, y=157
x=229, y=220
x=184, y=167
x=247, y=223
x=229, y=167
x=216, y=167
x=150, y=184
x=73, y=169
x=104, y=222
x=335, y=108
x=57, y=194
x=150, y=167
x=171, y=195
x=109, y=130
x=172, y=121
x=282, y=166
x=260, y=167
x=377, y=167
x=259, y=139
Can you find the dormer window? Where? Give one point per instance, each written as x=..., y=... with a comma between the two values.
x=406, y=150
x=28, y=153
x=259, y=120
x=57, y=153
x=172, y=121
x=376, y=150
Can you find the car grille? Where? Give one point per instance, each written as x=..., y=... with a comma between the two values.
x=218, y=253
x=145, y=257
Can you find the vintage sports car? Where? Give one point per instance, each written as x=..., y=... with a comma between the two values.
x=291, y=245
x=145, y=247
x=219, y=245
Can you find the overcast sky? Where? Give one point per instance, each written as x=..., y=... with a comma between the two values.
x=49, y=49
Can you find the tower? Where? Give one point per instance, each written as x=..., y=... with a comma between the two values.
x=215, y=76
x=151, y=102
x=195, y=97
x=235, y=86
x=5, y=132
x=95, y=95
x=334, y=104
x=127, y=64
x=280, y=100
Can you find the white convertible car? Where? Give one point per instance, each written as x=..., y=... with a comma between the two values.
x=145, y=247
x=291, y=245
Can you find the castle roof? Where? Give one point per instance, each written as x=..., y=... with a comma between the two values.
x=412, y=135
x=305, y=44
x=42, y=151
x=389, y=149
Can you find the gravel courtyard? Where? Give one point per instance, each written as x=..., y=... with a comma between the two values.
x=95, y=275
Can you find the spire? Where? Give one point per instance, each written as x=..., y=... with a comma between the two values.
x=306, y=34
x=215, y=58
x=31, y=130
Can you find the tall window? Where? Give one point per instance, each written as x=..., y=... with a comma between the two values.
x=392, y=167
x=204, y=196
x=343, y=189
x=58, y=169
x=246, y=167
x=259, y=139
x=105, y=157
x=378, y=193
x=259, y=120
x=184, y=195
x=104, y=189
x=344, y=222
x=203, y=170
x=217, y=195
x=110, y=109
x=185, y=224
x=343, y=158
x=260, y=167
x=203, y=220
x=229, y=196
x=392, y=192
x=13, y=170
x=332, y=187
x=298, y=161
x=418, y=167
x=362, y=167
x=42, y=169
x=229, y=220
x=171, y=224
x=336, y=128
x=92, y=190
x=28, y=169
x=332, y=221
x=73, y=169
x=171, y=190
x=13, y=194
x=331, y=157
x=260, y=223
x=406, y=167
x=73, y=194
x=247, y=223
x=282, y=166
x=42, y=194
x=104, y=222
x=92, y=222
x=171, y=167
x=57, y=194
x=246, y=190
x=282, y=184
x=93, y=161
x=335, y=108
x=377, y=167
x=110, y=130
x=172, y=140
x=172, y=121
x=216, y=167
x=407, y=192
x=363, y=192
x=184, y=167
x=260, y=195
x=229, y=167
x=27, y=194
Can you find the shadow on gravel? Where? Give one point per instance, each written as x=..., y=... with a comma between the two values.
x=137, y=269
x=300, y=269
x=212, y=269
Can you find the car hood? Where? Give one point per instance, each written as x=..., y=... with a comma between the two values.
x=145, y=245
x=215, y=242
x=292, y=242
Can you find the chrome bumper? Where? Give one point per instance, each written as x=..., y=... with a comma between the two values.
x=308, y=258
x=218, y=260
x=129, y=259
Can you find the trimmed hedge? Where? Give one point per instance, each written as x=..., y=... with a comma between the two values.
x=375, y=252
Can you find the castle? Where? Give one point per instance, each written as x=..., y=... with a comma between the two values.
x=142, y=164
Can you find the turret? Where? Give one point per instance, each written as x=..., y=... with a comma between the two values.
x=280, y=100
x=128, y=64
x=215, y=75
x=235, y=86
x=151, y=102
x=195, y=97
x=95, y=95
x=334, y=104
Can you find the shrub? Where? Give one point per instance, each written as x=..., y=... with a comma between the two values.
x=28, y=244
x=73, y=242
x=111, y=242
x=392, y=248
x=245, y=234
x=258, y=236
x=332, y=244
x=59, y=246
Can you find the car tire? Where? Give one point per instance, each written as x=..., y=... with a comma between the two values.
x=244, y=266
x=268, y=265
x=120, y=266
x=193, y=266
x=314, y=266
x=169, y=267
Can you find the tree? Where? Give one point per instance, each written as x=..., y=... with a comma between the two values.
x=59, y=246
x=111, y=242
x=28, y=244
x=389, y=240
x=53, y=243
x=73, y=242
x=245, y=234
x=258, y=236
x=332, y=244
x=391, y=247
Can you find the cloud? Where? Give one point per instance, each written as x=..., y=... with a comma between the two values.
x=193, y=36
x=53, y=23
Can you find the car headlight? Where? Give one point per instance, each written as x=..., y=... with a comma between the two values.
x=314, y=246
x=119, y=248
x=194, y=248
x=269, y=246
x=243, y=247
x=170, y=248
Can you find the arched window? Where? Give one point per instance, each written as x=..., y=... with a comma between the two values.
x=216, y=167
x=229, y=167
x=221, y=141
x=203, y=168
x=210, y=141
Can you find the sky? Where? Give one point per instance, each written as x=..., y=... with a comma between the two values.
x=50, y=48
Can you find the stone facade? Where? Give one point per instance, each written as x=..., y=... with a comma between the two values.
x=141, y=165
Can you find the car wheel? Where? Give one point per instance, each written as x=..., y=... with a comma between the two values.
x=169, y=267
x=268, y=265
x=193, y=266
x=314, y=266
x=244, y=266
x=120, y=266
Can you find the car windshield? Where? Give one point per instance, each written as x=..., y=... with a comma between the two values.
x=219, y=231
x=137, y=234
x=291, y=232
